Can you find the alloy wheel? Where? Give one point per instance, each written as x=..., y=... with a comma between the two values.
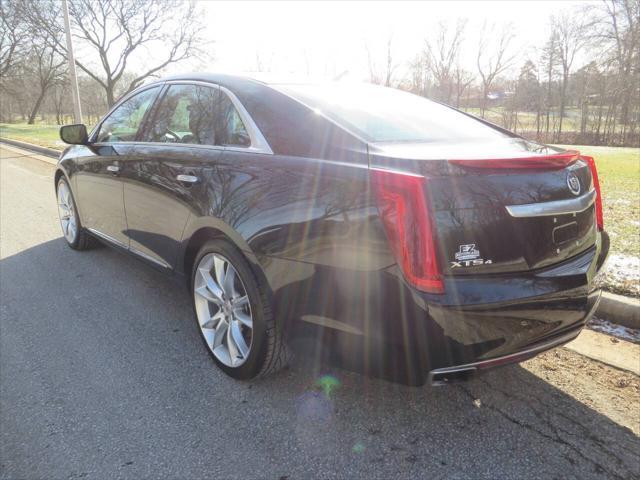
x=67, y=213
x=223, y=310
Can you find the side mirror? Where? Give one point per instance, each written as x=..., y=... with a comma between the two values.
x=74, y=134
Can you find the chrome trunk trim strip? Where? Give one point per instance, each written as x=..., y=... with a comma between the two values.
x=558, y=207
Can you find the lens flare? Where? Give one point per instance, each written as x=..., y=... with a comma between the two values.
x=359, y=447
x=328, y=383
x=314, y=407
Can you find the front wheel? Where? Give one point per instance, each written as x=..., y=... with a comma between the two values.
x=234, y=315
x=72, y=230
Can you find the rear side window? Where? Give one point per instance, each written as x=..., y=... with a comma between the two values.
x=187, y=114
x=123, y=123
x=231, y=129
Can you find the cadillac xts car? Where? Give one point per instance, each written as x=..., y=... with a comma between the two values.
x=414, y=241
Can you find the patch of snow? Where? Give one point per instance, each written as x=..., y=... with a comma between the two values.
x=605, y=326
x=626, y=266
x=621, y=274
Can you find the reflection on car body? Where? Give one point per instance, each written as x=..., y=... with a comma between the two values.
x=377, y=222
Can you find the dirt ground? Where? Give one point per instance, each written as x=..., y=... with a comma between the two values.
x=607, y=390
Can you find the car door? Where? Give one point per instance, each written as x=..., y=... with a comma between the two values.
x=98, y=178
x=169, y=170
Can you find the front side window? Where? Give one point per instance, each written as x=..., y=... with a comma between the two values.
x=186, y=115
x=123, y=123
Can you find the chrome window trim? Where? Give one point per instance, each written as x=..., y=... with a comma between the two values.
x=221, y=148
x=258, y=142
x=557, y=207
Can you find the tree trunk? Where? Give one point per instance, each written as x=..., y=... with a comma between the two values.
x=36, y=107
x=485, y=92
x=563, y=93
x=110, y=97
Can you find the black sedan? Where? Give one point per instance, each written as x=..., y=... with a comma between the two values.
x=411, y=240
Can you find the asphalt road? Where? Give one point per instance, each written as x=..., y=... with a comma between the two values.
x=102, y=375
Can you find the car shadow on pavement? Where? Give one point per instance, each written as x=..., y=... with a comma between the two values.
x=103, y=374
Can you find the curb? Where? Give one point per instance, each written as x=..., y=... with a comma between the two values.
x=49, y=152
x=611, y=351
x=624, y=311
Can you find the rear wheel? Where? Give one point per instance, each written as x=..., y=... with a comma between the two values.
x=233, y=313
x=72, y=230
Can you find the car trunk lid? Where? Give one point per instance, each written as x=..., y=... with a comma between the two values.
x=517, y=207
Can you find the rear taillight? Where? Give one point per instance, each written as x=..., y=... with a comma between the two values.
x=596, y=184
x=559, y=160
x=409, y=226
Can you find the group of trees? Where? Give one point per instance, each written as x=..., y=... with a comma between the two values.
x=581, y=86
x=112, y=40
x=543, y=93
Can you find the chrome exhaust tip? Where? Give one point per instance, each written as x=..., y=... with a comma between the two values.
x=438, y=378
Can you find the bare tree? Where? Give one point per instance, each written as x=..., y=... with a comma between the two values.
x=373, y=74
x=59, y=97
x=493, y=57
x=462, y=81
x=419, y=81
x=442, y=53
x=382, y=75
x=262, y=64
x=550, y=59
x=13, y=34
x=119, y=32
x=47, y=68
x=571, y=33
x=619, y=32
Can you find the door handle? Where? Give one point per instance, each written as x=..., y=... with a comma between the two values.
x=113, y=168
x=187, y=178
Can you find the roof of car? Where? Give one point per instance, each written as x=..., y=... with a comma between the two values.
x=257, y=77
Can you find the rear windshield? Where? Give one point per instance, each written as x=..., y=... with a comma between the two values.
x=380, y=114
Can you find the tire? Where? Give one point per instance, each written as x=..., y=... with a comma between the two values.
x=223, y=310
x=72, y=231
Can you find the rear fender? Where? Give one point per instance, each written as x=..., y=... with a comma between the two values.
x=218, y=228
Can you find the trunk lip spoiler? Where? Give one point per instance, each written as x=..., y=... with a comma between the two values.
x=556, y=207
x=546, y=161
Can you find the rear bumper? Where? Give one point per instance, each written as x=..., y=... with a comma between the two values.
x=444, y=376
x=374, y=322
x=478, y=323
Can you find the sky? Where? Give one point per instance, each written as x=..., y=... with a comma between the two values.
x=327, y=38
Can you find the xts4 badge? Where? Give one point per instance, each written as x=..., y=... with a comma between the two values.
x=469, y=256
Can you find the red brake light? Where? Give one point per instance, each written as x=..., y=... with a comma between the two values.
x=405, y=214
x=560, y=160
x=596, y=184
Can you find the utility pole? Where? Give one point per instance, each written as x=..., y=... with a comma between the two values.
x=77, y=111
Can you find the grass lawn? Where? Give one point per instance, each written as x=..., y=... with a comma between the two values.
x=527, y=120
x=39, y=134
x=619, y=174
